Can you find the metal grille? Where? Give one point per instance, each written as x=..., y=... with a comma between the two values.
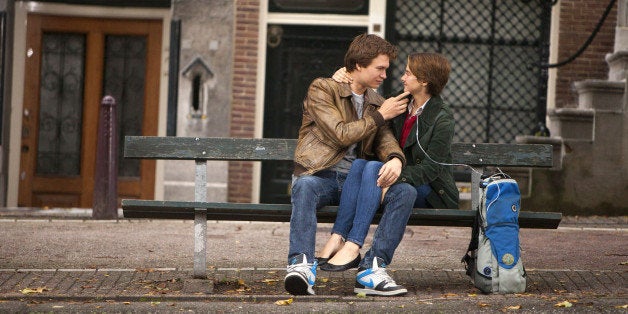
x=61, y=98
x=495, y=89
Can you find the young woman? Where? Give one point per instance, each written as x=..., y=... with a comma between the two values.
x=425, y=133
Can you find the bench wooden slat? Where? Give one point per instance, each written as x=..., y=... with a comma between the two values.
x=133, y=208
x=155, y=147
x=260, y=149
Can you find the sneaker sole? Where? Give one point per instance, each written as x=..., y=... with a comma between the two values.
x=296, y=285
x=367, y=291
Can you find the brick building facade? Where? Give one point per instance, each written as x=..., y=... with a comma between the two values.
x=243, y=117
x=578, y=19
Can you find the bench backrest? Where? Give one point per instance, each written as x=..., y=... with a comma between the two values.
x=260, y=149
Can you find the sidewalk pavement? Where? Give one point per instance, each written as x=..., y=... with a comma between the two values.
x=62, y=260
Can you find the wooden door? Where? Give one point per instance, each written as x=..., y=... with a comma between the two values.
x=71, y=64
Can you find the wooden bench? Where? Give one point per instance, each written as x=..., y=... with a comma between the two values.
x=202, y=150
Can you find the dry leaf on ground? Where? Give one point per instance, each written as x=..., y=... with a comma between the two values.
x=35, y=290
x=284, y=302
x=563, y=304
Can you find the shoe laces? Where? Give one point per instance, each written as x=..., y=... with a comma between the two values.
x=302, y=268
x=298, y=267
x=380, y=275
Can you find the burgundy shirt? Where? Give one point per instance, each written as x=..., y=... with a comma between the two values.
x=407, y=126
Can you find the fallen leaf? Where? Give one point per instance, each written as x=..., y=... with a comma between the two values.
x=127, y=303
x=31, y=290
x=563, y=304
x=512, y=307
x=625, y=306
x=270, y=281
x=473, y=295
x=284, y=302
x=483, y=304
x=447, y=295
x=623, y=263
x=361, y=295
x=324, y=279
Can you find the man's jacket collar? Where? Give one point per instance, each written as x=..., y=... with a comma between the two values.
x=369, y=94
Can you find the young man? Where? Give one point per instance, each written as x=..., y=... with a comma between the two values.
x=342, y=122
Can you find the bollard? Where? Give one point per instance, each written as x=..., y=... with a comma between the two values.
x=105, y=205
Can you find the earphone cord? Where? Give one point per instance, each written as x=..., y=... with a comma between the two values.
x=442, y=163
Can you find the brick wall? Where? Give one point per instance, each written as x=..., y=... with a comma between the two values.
x=578, y=19
x=243, y=98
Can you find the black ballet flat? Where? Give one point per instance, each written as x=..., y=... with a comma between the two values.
x=322, y=260
x=352, y=264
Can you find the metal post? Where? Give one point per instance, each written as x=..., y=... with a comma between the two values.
x=200, y=220
x=476, y=177
x=105, y=202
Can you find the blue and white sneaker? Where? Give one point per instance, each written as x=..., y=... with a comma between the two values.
x=301, y=276
x=375, y=281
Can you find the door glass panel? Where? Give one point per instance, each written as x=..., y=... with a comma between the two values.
x=61, y=99
x=125, y=72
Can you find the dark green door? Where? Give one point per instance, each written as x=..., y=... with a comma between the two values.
x=295, y=55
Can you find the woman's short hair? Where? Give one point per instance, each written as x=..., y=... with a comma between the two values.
x=366, y=47
x=432, y=68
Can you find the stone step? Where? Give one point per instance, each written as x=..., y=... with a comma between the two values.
x=600, y=95
x=572, y=123
x=618, y=65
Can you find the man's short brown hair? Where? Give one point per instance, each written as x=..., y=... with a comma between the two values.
x=366, y=47
x=432, y=68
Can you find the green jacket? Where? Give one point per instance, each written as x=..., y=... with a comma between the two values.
x=436, y=131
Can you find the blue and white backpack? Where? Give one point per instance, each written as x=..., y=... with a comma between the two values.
x=493, y=259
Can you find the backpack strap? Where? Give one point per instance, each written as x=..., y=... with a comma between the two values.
x=469, y=259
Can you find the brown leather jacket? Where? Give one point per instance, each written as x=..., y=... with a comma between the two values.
x=330, y=125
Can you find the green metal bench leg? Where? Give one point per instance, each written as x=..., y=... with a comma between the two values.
x=200, y=220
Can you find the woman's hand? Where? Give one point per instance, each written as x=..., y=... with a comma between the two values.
x=384, y=190
x=341, y=76
x=389, y=173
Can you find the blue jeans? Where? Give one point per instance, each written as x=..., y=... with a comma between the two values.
x=422, y=191
x=359, y=201
x=311, y=192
